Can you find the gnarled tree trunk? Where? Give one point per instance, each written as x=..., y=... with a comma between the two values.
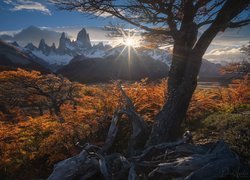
x=181, y=85
x=186, y=62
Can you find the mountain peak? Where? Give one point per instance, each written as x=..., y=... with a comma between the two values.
x=31, y=47
x=53, y=47
x=44, y=47
x=42, y=43
x=63, y=36
x=83, y=39
x=64, y=40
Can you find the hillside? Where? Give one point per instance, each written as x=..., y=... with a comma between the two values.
x=84, y=69
x=12, y=57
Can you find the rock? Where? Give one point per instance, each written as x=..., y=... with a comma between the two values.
x=64, y=41
x=44, y=47
x=83, y=39
x=30, y=47
x=99, y=46
x=53, y=47
x=15, y=44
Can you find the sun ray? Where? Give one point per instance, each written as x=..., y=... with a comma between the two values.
x=129, y=41
x=120, y=53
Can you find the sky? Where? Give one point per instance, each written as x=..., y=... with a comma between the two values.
x=18, y=14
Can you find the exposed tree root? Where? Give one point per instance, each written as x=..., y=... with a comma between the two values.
x=181, y=159
x=170, y=160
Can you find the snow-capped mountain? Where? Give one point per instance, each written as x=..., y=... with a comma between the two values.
x=12, y=56
x=114, y=65
x=68, y=49
x=162, y=55
x=81, y=49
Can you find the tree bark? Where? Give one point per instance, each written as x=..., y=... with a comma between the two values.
x=186, y=62
x=181, y=86
x=168, y=121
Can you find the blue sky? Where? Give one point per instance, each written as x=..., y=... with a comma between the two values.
x=18, y=14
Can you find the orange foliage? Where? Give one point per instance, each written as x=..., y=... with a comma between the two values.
x=43, y=138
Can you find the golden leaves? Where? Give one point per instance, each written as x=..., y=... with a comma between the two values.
x=33, y=137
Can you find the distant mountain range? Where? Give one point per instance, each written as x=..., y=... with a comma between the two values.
x=12, y=57
x=66, y=50
x=114, y=66
x=79, y=60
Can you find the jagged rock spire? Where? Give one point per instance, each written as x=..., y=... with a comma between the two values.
x=53, y=47
x=44, y=47
x=83, y=39
x=63, y=43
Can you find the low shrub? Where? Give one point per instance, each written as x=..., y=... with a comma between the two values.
x=233, y=128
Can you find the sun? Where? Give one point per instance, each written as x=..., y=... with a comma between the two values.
x=129, y=41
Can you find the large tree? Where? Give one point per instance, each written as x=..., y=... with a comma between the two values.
x=181, y=20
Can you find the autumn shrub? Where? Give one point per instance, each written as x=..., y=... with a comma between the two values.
x=205, y=102
x=30, y=143
x=233, y=128
x=43, y=137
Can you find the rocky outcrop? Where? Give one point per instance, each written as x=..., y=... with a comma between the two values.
x=53, y=47
x=83, y=39
x=15, y=44
x=101, y=46
x=66, y=46
x=31, y=47
x=44, y=47
x=64, y=43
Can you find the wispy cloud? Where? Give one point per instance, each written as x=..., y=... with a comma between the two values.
x=226, y=54
x=29, y=5
x=223, y=51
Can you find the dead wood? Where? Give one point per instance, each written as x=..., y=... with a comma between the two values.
x=81, y=165
x=113, y=129
x=140, y=127
x=175, y=160
x=180, y=159
x=218, y=161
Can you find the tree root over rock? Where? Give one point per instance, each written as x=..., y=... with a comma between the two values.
x=176, y=160
x=170, y=160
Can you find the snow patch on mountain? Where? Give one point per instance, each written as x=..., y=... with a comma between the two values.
x=54, y=58
x=160, y=55
x=68, y=49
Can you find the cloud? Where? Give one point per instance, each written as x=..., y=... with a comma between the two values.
x=29, y=5
x=8, y=1
x=225, y=54
x=104, y=14
x=224, y=51
x=52, y=34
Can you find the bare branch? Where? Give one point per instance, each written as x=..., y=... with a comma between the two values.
x=239, y=23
